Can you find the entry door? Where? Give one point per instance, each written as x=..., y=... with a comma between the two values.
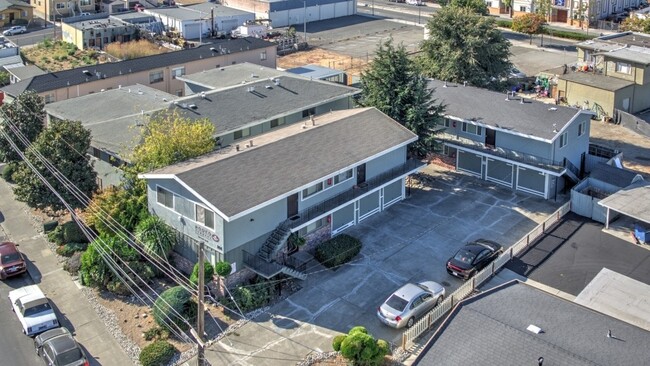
x=361, y=174
x=490, y=137
x=292, y=205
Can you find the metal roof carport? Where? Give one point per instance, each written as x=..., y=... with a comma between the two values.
x=632, y=201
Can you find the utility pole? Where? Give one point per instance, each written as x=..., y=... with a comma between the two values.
x=304, y=25
x=212, y=33
x=200, y=320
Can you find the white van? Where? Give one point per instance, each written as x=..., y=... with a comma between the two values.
x=414, y=2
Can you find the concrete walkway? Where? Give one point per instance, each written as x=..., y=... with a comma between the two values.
x=73, y=309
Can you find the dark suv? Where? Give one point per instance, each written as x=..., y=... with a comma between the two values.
x=11, y=261
x=58, y=347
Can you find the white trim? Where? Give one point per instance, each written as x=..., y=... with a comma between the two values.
x=173, y=208
x=205, y=208
x=373, y=211
x=530, y=190
x=325, y=186
x=471, y=172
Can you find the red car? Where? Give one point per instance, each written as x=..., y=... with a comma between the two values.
x=12, y=262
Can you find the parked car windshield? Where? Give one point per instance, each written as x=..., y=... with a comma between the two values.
x=36, y=309
x=11, y=257
x=69, y=357
x=397, y=303
x=464, y=256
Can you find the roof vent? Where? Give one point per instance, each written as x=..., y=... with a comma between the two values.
x=102, y=90
x=552, y=109
x=268, y=86
x=464, y=83
x=445, y=84
x=555, y=127
x=253, y=76
x=213, y=49
x=202, y=95
x=534, y=329
x=277, y=81
x=521, y=100
x=119, y=87
x=88, y=73
x=507, y=96
x=192, y=106
x=184, y=105
x=140, y=92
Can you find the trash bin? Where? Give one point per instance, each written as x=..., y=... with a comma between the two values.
x=641, y=233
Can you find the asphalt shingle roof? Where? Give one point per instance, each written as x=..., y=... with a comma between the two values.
x=596, y=80
x=491, y=330
x=491, y=109
x=232, y=75
x=61, y=79
x=234, y=108
x=292, y=158
x=613, y=175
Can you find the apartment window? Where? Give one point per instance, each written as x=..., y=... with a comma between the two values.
x=582, y=127
x=308, y=112
x=313, y=226
x=522, y=8
x=343, y=177
x=277, y=122
x=49, y=98
x=179, y=92
x=312, y=190
x=165, y=197
x=60, y=5
x=564, y=138
x=155, y=77
x=473, y=129
x=242, y=133
x=23, y=14
x=179, y=71
x=263, y=56
x=204, y=216
x=623, y=68
x=85, y=2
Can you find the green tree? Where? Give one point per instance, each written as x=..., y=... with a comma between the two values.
x=464, y=46
x=636, y=25
x=4, y=78
x=171, y=138
x=119, y=204
x=95, y=272
x=476, y=6
x=156, y=236
x=170, y=304
x=26, y=114
x=361, y=348
x=544, y=8
x=63, y=144
x=529, y=23
x=394, y=85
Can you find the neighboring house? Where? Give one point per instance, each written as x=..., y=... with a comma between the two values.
x=20, y=72
x=157, y=71
x=499, y=327
x=522, y=144
x=15, y=10
x=115, y=119
x=145, y=22
x=283, y=13
x=254, y=104
x=321, y=73
x=314, y=179
x=193, y=22
x=58, y=9
x=573, y=12
x=97, y=33
x=612, y=72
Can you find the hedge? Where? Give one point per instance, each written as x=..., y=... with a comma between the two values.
x=338, y=250
x=73, y=234
x=157, y=353
x=507, y=23
x=67, y=250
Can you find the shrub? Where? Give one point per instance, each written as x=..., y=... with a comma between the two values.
x=118, y=287
x=362, y=349
x=73, y=264
x=338, y=250
x=72, y=233
x=250, y=297
x=49, y=226
x=56, y=236
x=208, y=272
x=94, y=271
x=336, y=343
x=69, y=249
x=156, y=333
x=172, y=301
x=504, y=23
x=222, y=269
x=8, y=172
x=157, y=353
x=156, y=236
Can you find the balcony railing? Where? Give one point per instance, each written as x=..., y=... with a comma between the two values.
x=513, y=155
x=349, y=195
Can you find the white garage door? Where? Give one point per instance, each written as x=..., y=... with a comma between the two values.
x=192, y=31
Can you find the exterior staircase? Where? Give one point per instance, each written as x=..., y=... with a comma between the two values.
x=275, y=242
x=571, y=171
x=293, y=273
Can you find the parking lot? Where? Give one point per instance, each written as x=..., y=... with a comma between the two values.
x=409, y=242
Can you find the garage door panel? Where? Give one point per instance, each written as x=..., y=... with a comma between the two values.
x=499, y=172
x=368, y=205
x=470, y=162
x=531, y=181
x=343, y=218
x=392, y=193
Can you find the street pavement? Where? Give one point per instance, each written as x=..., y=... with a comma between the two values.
x=71, y=306
x=35, y=34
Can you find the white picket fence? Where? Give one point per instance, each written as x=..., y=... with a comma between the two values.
x=411, y=334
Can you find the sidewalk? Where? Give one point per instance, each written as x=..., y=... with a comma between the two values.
x=74, y=310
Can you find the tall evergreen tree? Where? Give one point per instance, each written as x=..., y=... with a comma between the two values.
x=64, y=145
x=26, y=114
x=394, y=85
x=464, y=46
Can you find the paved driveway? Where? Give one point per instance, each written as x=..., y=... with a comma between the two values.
x=408, y=242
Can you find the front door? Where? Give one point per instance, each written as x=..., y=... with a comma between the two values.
x=292, y=205
x=361, y=174
x=490, y=137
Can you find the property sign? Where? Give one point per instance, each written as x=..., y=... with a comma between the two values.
x=206, y=234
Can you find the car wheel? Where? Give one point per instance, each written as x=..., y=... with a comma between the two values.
x=440, y=298
x=410, y=322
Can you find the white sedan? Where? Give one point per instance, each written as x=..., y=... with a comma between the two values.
x=33, y=310
x=17, y=29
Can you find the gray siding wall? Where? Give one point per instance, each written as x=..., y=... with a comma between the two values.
x=524, y=145
x=184, y=202
x=256, y=224
x=576, y=145
x=335, y=105
x=385, y=162
x=328, y=193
